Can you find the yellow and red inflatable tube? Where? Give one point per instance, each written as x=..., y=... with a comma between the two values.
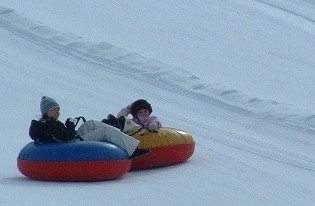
x=168, y=146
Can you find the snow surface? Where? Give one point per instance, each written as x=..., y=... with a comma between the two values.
x=238, y=75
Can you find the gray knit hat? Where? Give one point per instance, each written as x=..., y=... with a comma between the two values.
x=47, y=103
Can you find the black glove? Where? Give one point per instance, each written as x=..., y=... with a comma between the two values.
x=70, y=123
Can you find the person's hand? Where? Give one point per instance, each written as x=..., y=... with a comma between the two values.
x=152, y=126
x=70, y=123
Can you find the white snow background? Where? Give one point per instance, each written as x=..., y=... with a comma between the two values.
x=237, y=74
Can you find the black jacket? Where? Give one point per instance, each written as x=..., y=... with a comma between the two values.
x=50, y=130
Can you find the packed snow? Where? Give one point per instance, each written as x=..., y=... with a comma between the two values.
x=237, y=75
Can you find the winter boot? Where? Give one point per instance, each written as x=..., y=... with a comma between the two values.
x=112, y=121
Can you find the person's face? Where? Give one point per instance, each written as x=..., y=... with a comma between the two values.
x=143, y=116
x=53, y=113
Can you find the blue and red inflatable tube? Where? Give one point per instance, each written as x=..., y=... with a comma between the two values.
x=75, y=161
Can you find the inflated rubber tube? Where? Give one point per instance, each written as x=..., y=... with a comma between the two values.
x=74, y=161
x=168, y=146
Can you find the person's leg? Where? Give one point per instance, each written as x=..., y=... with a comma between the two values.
x=129, y=125
x=87, y=127
x=97, y=131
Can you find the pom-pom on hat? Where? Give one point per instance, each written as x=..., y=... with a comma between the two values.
x=47, y=103
x=138, y=105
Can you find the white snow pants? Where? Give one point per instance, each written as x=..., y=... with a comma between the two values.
x=92, y=130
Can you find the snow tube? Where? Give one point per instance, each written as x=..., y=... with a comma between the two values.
x=168, y=146
x=73, y=161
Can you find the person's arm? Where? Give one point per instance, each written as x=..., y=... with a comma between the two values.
x=51, y=131
x=38, y=131
x=156, y=120
x=154, y=124
x=124, y=111
x=62, y=133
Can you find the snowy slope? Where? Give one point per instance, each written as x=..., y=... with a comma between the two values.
x=246, y=46
x=250, y=151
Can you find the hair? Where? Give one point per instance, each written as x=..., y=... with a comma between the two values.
x=138, y=105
